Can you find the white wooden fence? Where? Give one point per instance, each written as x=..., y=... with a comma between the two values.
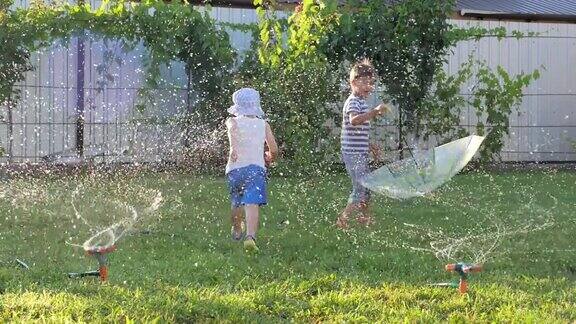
x=546, y=122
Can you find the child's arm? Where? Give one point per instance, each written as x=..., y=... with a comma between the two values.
x=358, y=119
x=271, y=143
x=376, y=151
x=232, y=138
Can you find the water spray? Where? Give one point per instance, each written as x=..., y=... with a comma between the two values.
x=22, y=264
x=104, y=242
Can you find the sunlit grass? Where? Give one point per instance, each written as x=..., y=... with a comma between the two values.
x=180, y=264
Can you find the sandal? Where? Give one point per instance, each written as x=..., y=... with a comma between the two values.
x=250, y=244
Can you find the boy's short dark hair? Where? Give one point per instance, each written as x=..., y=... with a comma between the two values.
x=361, y=69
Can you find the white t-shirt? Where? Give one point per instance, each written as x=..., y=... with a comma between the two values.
x=250, y=137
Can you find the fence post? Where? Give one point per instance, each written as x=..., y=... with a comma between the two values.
x=10, y=131
x=187, y=119
x=80, y=93
x=400, y=137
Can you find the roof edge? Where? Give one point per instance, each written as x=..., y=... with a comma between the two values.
x=516, y=16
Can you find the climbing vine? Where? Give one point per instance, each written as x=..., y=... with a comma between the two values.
x=493, y=96
x=169, y=31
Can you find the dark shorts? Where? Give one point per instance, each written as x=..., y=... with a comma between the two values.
x=247, y=186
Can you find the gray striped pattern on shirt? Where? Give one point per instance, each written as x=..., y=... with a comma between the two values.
x=354, y=139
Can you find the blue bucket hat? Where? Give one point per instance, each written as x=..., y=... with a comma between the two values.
x=246, y=103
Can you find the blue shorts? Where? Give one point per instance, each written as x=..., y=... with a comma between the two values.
x=247, y=186
x=357, y=168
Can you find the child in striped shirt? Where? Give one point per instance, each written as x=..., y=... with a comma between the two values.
x=355, y=144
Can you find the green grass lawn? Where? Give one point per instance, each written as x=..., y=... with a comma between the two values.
x=180, y=265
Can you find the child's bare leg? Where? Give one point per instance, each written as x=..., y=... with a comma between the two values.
x=236, y=217
x=251, y=220
x=251, y=227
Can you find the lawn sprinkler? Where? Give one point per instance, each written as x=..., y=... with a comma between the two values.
x=463, y=269
x=99, y=253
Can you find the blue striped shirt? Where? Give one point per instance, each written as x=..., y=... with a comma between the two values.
x=354, y=139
